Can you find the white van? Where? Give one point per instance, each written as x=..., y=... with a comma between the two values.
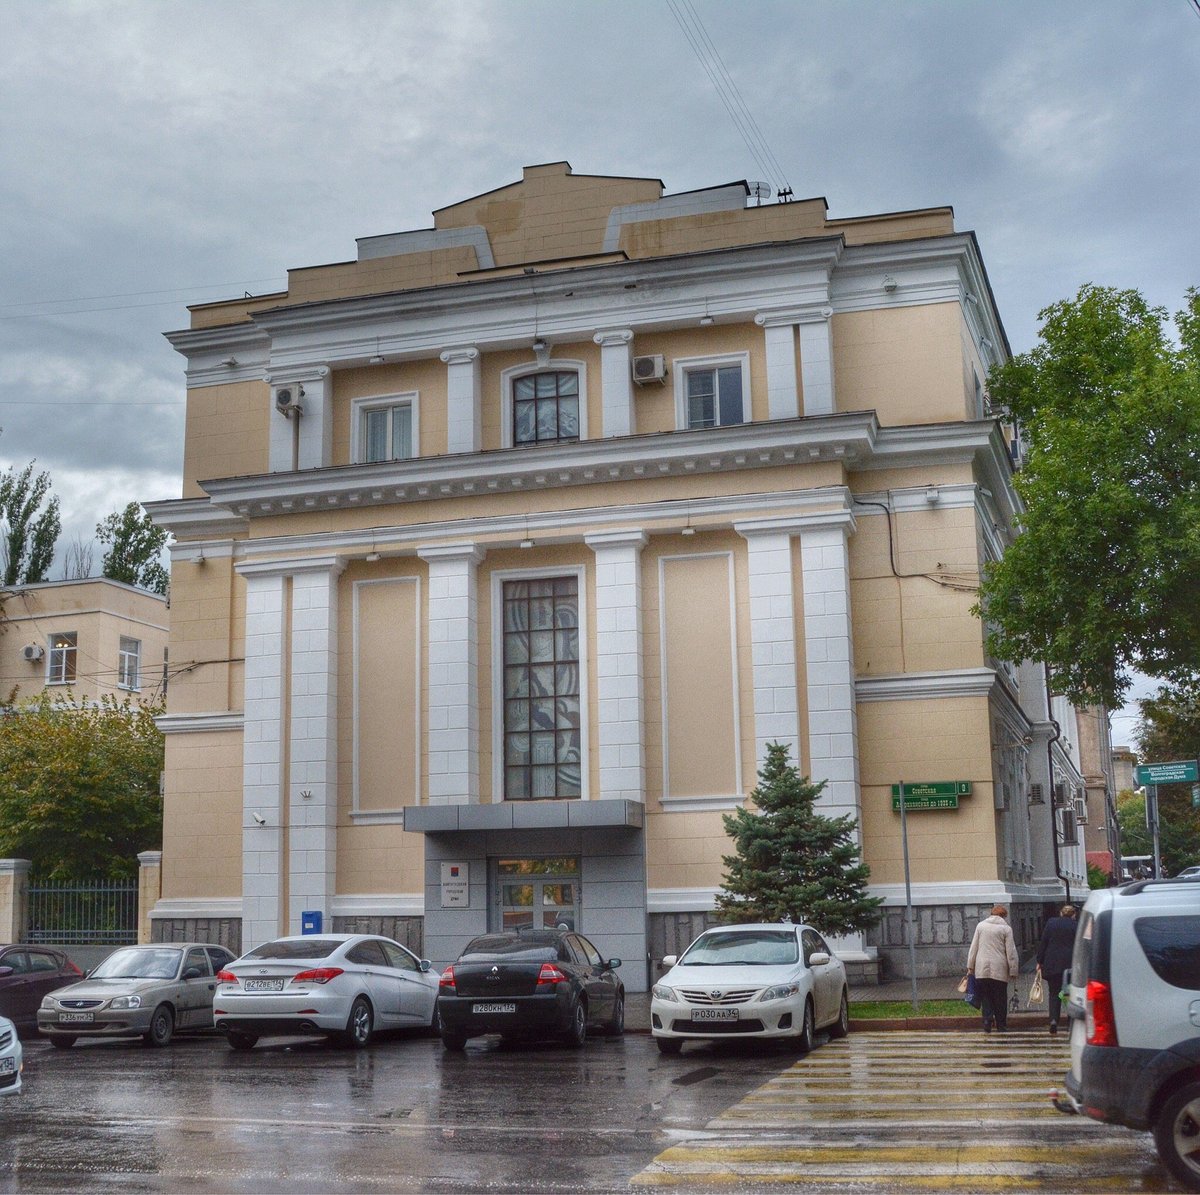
x=1134, y=1007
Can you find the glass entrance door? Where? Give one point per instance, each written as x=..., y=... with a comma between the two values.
x=536, y=894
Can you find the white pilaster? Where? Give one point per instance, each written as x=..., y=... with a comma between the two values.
x=453, y=674
x=621, y=719
x=463, y=399
x=816, y=360
x=616, y=382
x=262, y=760
x=783, y=397
x=312, y=820
x=302, y=439
x=772, y=638
x=828, y=646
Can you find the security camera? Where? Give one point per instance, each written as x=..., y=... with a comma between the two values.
x=259, y=819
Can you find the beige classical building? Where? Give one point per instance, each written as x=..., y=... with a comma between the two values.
x=506, y=547
x=90, y=638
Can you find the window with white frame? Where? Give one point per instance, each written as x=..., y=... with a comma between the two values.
x=545, y=407
x=129, y=663
x=385, y=428
x=712, y=392
x=540, y=653
x=64, y=648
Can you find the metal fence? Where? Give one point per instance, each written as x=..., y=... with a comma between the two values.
x=102, y=913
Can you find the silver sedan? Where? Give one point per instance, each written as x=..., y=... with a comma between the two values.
x=138, y=991
x=344, y=986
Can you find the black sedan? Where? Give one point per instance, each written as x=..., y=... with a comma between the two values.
x=537, y=984
x=27, y=973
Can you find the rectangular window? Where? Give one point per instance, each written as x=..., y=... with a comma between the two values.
x=545, y=407
x=63, y=650
x=714, y=396
x=387, y=433
x=542, y=733
x=129, y=663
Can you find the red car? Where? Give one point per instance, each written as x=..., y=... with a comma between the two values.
x=27, y=973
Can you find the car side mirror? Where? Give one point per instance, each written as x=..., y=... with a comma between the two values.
x=192, y=973
x=425, y=965
x=669, y=960
x=818, y=958
x=5, y=972
x=612, y=964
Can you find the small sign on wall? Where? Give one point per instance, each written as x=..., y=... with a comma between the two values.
x=456, y=886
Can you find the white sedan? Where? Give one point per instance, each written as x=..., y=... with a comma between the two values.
x=344, y=986
x=751, y=981
x=10, y=1058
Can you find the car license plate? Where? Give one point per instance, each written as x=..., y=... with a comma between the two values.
x=76, y=1018
x=484, y=1009
x=263, y=985
x=714, y=1014
x=7, y=1066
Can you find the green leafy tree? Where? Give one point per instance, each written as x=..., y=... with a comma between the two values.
x=79, y=786
x=1105, y=577
x=134, y=549
x=1178, y=827
x=791, y=861
x=30, y=530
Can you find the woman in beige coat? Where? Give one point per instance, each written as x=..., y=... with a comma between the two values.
x=994, y=963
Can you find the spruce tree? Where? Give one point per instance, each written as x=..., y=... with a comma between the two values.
x=793, y=863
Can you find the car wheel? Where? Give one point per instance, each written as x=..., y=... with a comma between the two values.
x=435, y=1021
x=1177, y=1135
x=841, y=1026
x=62, y=1041
x=456, y=1043
x=616, y=1025
x=359, y=1025
x=804, y=1042
x=162, y=1027
x=241, y=1041
x=668, y=1045
x=577, y=1033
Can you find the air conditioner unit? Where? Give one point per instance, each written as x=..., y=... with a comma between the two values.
x=33, y=651
x=650, y=369
x=1069, y=834
x=287, y=399
x=1081, y=815
x=1060, y=795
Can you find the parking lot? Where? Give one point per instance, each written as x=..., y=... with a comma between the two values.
x=876, y=1112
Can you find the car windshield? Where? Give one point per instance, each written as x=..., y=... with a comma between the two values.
x=295, y=948
x=139, y=963
x=510, y=949
x=742, y=948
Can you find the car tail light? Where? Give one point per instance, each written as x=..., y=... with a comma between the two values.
x=317, y=975
x=226, y=977
x=1101, y=1022
x=550, y=975
x=446, y=983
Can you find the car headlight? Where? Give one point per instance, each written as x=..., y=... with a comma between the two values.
x=48, y=1002
x=781, y=991
x=126, y=1002
x=660, y=991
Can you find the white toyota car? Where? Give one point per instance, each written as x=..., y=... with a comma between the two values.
x=10, y=1058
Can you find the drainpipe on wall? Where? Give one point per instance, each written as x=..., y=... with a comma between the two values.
x=1058, y=871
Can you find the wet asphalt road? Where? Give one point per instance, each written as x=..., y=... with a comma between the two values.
x=301, y=1115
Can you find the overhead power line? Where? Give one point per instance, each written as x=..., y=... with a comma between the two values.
x=727, y=90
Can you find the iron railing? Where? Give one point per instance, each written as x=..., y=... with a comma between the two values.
x=98, y=913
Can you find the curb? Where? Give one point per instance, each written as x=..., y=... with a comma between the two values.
x=1016, y=1020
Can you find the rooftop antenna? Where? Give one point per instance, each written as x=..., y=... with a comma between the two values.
x=759, y=191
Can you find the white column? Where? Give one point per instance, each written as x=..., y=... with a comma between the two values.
x=828, y=648
x=262, y=759
x=621, y=718
x=463, y=399
x=779, y=332
x=816, y=360
x=453, y=674
x=772, y=637
x=616, y=382
x=304, y=439
x=312, y=780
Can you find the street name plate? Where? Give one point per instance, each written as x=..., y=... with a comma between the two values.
x=931, y=794
x=1183, y=771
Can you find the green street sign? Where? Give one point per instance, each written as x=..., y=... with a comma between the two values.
x=933, y=788
x=910, y=803
x=1182, y=771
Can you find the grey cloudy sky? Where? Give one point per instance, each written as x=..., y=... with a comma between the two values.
x=155, y=153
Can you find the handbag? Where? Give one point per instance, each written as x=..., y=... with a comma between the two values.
x=1035, y=989
x=973, y=998
x=962, y=986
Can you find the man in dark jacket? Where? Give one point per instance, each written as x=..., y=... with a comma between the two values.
x=1054, y=958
